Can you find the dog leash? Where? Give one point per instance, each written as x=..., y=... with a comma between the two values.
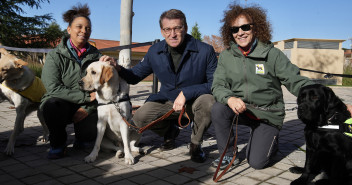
x=269, y=109
x=215, y=177
x=166, y=115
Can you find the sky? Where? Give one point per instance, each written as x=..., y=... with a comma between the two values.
x=317, y=19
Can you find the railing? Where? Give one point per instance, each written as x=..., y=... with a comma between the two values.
x=46, y=50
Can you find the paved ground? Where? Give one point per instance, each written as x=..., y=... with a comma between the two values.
x=29, y=164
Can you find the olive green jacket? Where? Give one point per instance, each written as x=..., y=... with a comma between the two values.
x=257, y=80
x=61, y=73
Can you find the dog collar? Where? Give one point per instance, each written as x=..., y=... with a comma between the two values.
x=345, y=128
x=126, y=97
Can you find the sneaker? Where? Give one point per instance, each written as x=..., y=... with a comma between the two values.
x=57, y=153
x=225, y=162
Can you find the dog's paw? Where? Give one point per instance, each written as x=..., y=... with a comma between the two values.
x=10, y=149
x=296, y=170
x=120, y=154
x=90, y=158
x=129, y=159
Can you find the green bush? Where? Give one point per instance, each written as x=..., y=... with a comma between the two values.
x=348, y=71
x=36, y=68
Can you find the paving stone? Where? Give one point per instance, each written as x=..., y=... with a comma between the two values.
x=258, y=175
x=177, y=179
x=160, y=182
x=36, y=179
x=71, y=178
x=108, y=178
x=160, y=173
x=243, y=180
x=278, y=180
x=143, y=179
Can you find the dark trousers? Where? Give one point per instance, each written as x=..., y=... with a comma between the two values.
x=58, y=114
x=263, y=140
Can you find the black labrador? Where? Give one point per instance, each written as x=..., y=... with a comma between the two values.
x=328, y=150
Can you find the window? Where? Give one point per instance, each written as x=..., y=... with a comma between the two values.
x=317, y=45
x=289, y=45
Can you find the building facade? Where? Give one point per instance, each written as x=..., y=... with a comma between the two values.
x=324, y=55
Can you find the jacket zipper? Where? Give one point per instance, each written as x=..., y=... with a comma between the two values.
x=245, y=79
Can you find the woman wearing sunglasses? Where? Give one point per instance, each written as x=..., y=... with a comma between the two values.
x=247, y=83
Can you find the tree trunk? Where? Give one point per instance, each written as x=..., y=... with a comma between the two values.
x=126, y=32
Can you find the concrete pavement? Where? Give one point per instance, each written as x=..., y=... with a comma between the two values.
x=29, y=164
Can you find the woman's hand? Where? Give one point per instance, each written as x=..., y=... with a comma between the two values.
x=79, y=115
x=237, y=105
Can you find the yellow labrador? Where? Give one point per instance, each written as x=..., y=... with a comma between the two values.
x=22, y=89
x=114, y=105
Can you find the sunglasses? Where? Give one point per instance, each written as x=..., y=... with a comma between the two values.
x=245, y=27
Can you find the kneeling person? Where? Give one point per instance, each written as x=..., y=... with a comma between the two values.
x=185, y=68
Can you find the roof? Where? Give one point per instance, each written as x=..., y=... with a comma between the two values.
x=102, y=44
x=302, y=39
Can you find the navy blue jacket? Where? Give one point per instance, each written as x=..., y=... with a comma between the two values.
x=194, y=76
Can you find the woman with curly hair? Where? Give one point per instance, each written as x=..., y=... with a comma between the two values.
x=64, y=102
x=247, y=83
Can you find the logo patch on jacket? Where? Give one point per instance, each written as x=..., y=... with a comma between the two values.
x=259, y=69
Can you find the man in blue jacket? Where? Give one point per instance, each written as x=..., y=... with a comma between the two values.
x=184, y=67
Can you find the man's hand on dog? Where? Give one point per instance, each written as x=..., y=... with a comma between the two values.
x=237, y=105
x=349, y=108
x=111, y=61
x=79, y=115
x=92, y=96
x=179, y=102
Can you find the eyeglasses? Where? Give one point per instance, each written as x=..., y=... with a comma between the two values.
x=176, y=29
x=245, y=27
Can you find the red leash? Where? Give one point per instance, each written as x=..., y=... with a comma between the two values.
x=166, y=115
x=215, y=177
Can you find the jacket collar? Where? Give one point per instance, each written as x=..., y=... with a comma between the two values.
x=190, y=45
x=260, y=51
x=64, y=50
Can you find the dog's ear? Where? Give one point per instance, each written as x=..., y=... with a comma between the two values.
x=106, y=74
x=19, y=63
x=332, y=101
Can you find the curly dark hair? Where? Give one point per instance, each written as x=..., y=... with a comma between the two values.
x=255, y=14
x=76, y=11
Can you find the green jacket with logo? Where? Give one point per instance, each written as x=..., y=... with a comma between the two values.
x=257, y=80
x=61, y=73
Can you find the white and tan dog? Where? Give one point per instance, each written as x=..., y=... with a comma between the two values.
x=22, y=89
x=114, y=105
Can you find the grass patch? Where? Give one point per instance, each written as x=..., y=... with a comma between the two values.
x=36, y=68
x=348, y=71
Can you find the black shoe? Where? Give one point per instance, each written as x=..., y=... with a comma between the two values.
x=225, y=162
x=169, y=138
x=197, y=154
